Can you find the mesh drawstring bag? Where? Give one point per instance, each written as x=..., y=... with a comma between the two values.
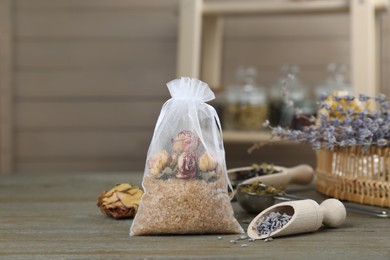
x=185, y=179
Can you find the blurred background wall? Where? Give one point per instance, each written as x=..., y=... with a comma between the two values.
x=87, y=77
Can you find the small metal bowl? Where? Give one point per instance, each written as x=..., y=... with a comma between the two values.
x=254, y=203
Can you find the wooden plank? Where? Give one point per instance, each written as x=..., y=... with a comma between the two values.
x=384, y=86
x=296, y=26
x=284, y=7
x=286, y=155
x=211, y=53
x=386, y=20
x=46, y=146
x=189, y=38
x=95, y=54
x=6, y=87
x=69, y=225
x=94, y=64
x=107, y=83
x=99, y=24
x=275, y=53
x=363, y=48
x=242, y=137
x=310, y=75
x=276, y=7
x=117, y=4
x=82, y=166
x=133, y=113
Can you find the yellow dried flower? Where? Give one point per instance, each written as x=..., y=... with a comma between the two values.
x=334, y=112
x=157, y=162
x=206, y=162
x=121, y=201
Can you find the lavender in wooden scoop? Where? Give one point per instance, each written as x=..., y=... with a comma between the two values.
x=296, y=217
x=269, y=224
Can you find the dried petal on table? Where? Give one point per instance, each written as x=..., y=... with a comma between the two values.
x=121, y=201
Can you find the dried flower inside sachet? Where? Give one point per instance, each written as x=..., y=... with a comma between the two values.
x=207, y=162
x=186, y=165
x=185, y=141
x=157, y=162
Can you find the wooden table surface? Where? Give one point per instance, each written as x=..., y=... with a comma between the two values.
x=56, y=217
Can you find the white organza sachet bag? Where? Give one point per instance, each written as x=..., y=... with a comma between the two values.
x=185, y=179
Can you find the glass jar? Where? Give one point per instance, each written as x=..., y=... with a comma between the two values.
x=246, y=102
x=335, y=81
x=287, y=94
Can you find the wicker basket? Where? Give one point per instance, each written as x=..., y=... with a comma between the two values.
x=355, y=174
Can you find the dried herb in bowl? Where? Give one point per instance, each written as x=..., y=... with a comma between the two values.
x=259, y=188
x=254, y=171
x=257, y=196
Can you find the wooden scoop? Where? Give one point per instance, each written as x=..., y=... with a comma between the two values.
x=307, y=216
x=300, y=174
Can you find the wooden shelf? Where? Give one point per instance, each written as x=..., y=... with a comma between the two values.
x=280, y=7
x=200, y=40
x=201, y=32
x=276, y=7
x=250, y=137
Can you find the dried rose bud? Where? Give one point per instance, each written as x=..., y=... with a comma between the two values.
x=157, y=162
x=186, y=165
x=121, y=201
x=185, y=141
x=206, y=162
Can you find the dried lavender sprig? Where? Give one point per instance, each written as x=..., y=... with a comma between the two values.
x=350, y=128
x=271, y=223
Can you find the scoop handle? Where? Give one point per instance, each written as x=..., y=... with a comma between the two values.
x=334, y=212
x=301, y=174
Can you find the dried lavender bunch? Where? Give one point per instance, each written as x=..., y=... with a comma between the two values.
x=271, y=223
x=344, y=121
